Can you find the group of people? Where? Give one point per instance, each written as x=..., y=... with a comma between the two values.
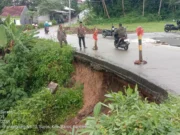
x=62, y=37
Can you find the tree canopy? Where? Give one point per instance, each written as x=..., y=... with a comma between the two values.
x=47, y=5
x=118, y=8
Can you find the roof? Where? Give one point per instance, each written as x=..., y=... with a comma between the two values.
x=59, y=11
x=12, y=11
x=67, y=8
x=80, y=1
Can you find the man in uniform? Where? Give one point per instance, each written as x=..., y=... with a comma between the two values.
x=61, y=35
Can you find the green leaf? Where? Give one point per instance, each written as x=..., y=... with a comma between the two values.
x=3, y=37
x=97, y=109
x=129, y=91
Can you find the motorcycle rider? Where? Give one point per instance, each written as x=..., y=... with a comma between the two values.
x=121, y=32
x=46, y=27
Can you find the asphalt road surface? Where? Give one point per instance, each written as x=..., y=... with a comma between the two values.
x=162, y=69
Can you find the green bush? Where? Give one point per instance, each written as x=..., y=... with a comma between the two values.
x=134, y=17
x=41, y=25
x=43, y=111
x=49, y=62
x=51, y=133
x=29, y=27
x=31, y=64
x=14, y=70
x=1, y=22
x=54, y=22
x=130, y=115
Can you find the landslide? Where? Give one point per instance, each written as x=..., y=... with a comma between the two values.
x=96, y=85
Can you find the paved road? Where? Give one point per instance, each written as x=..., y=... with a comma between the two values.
x=163, y=68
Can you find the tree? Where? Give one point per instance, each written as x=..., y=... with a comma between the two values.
x=159, y=11
x=4, y=3
x=173, y=4
x=31, y=15
x=105, y=8
x=31, y=4
x=143, y=7
x=123, y=7
x=49, y=5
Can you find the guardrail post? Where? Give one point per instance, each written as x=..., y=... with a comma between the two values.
x=140, y=31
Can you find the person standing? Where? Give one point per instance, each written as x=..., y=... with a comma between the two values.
x=81, y=35
x=61, y=35
x=95, y=34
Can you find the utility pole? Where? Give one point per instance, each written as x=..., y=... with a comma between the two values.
x=69, y=12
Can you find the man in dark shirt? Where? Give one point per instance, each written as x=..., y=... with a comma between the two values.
x=121, y=31
x=81, y=35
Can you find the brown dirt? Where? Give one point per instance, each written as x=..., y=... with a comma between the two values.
x=96, y=85
x=94, y=88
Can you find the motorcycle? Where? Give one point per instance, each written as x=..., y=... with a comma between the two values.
x=46, y=29
x=170, y=27
x=106, y=32
x=122, y=43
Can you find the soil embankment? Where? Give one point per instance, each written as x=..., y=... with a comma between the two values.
x=97, y=84
x=97, y=81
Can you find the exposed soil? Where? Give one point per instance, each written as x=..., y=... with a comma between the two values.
x=96, y=85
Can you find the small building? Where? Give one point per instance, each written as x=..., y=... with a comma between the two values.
x=43, y=18
x=73, y=12
x=19, y=14
x=59, y=15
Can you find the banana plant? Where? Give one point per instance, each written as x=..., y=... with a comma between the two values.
x=3, y=37
x=10, y=35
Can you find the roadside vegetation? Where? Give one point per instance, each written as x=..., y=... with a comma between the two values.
x=130, y=21
x=131, y=27
x=150, y=23
x=151, y=15
x=27, y=66
x=129, y=114
x=153, y=10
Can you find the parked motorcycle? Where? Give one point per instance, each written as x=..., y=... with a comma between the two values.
x=122, y=43
x=106, y=32
x=170, y=27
